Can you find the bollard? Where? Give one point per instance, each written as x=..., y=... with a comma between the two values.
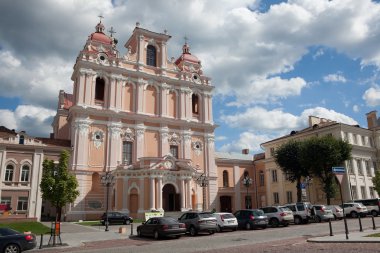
x=41, y=241
x=131, y=228
x=373, y=223
x=345, y=227
x=331, y=232
x=360, y=223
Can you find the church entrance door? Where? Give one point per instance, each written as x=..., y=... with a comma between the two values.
x=170, y=199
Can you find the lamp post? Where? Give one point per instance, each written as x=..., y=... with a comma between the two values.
x=107, y=180
x=308, y=180
x=202, y=181
x=247, y=181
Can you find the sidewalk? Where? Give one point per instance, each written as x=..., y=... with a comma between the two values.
x=353, y=237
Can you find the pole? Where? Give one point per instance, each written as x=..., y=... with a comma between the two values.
x=246, y=199
x=344, y=214
x=204, y=197
x=108, y=186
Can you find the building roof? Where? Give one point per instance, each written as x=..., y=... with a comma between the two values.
x=233, y=156
x=55, y=142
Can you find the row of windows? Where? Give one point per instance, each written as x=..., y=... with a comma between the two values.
x=10, y=171
x=358, y=139
x=127, y=154
x=363, y=192
x=22, y=203
x=289, y=197
x=225, y=178
x=360, y=168
x=100, y=91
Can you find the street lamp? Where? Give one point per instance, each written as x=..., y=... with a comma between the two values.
x=202, y=181
x=247, y=181
x=107, y=180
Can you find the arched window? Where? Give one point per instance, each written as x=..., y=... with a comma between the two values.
x=25, y=171
x=127, y=152
x=174, y=150
x=225, y=178
x=261, y=178
x=151, y=56
x=9, y=173
x=99, y=89
x=195, y=103
x=21, y=139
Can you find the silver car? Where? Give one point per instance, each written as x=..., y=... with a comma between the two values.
x=321, y=213
x=278, y=215
x=337, y=211
x=226, y=221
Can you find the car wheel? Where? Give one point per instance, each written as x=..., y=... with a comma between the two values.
x=374, y=213
x=335, y=218
x=218, y=229
x=193, y=231
x=248, y=226
x=12, y=248
x=274, y=222
x=139, y=233
x=127, y=222
x=211, y=232
x=156, y=235
x=318, y=219
x=286, y=224
x=354, y=214
x=297, y=220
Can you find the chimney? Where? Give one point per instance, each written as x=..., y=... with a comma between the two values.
x=372, y=119
x=245, y=151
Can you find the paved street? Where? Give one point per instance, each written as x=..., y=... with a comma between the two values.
x=291, y=238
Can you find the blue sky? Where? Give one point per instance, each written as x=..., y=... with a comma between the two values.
x=273, y=63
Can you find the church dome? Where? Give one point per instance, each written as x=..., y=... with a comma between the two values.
x=99, y=35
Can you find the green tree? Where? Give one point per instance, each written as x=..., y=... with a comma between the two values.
x=320, y=154
x=58, y=185
x=376, y=181
x=288, y=156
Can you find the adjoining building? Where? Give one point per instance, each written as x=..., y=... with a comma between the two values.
x=357, y=181
x=21, y=158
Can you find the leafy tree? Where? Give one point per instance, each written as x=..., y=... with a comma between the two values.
x=287, y=156
x=320, y=154
x=376, y=181
x=58, y=185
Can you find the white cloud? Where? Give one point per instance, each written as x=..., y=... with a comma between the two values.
x=220, y=138
x=248, y=140
x=335, y=78
x=8, y=60
x=356, y=108
x=34, y=120
x=372, y=96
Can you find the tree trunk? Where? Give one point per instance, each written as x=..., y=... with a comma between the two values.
x=58, y=213
x=299, y=190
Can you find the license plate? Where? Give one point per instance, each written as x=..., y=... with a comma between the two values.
x=262, y=222
x=231, y=221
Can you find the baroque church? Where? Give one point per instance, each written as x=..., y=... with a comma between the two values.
x=148, y=121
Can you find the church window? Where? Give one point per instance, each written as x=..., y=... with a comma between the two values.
x=127, y=152
x=99, y=89
x=195, y=104
x=9, y=173
x=151, y=56
x=174, y=150
x=21, y=139
x=225, y=178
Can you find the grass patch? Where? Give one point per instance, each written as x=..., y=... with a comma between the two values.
x=33, y=226
x=97, y=223
x=374, y=235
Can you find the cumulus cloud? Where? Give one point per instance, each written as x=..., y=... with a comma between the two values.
x=248, y=140
x=33, y=120
x=372, y=96
x=334, y=78
x=356, y=108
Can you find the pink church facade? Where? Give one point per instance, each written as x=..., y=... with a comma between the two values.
x=148, y=121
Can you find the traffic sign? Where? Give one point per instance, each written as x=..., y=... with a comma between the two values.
x=338, y=170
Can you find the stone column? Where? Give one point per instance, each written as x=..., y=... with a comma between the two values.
x=3, y=157
x=80, y=155
x=140, y=130
x=125, y=195
x=152, y=195
x=211, y=170
x=141, y=196
x=163, y=55
x=140, y=95
x=159, y=193
x=186, y=144
x=113, y=145
x=141, y=47
x=183, y=193
x=164, y=145
x=164, y=99
x=188, y=193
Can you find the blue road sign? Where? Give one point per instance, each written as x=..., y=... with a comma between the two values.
x=338, y=170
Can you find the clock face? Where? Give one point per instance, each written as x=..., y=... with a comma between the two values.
x=196, y=78
x=168, y=164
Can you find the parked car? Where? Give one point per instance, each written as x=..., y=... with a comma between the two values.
x=278, y=215
x=159, y=227
x=14, y=241
x=226, y=221
x=301, y=212
x=373, y=205
x=251, y=218
x=199, y=222
x=321, y=213
x=116, y=217
x=355, y=209
x=337, y=211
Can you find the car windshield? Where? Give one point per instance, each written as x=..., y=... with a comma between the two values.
x=227, y=215
x=7, y=231
x=283, y=209
x=206, y=215
x=258, y=213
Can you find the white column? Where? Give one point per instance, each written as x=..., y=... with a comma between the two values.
x=237, y=197
x=125, y=195
x=187, y=144
x=113, y=145
x=35, y=198
x=140, y=130
x=164, y=99
x=141, y=196
x=183, y=193
x=3, y=156
x=152, y=197
x=141, y=48
x=140, y=96
x=159, y=193
x=80, y=157
x=188, y=194
x=211, y=118
x=163, y=54
x=164, y=147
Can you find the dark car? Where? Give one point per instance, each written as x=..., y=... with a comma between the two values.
x=199, y=222
x=251, y=218
x=161, y=227
x=116, y=217
x=15, y=242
